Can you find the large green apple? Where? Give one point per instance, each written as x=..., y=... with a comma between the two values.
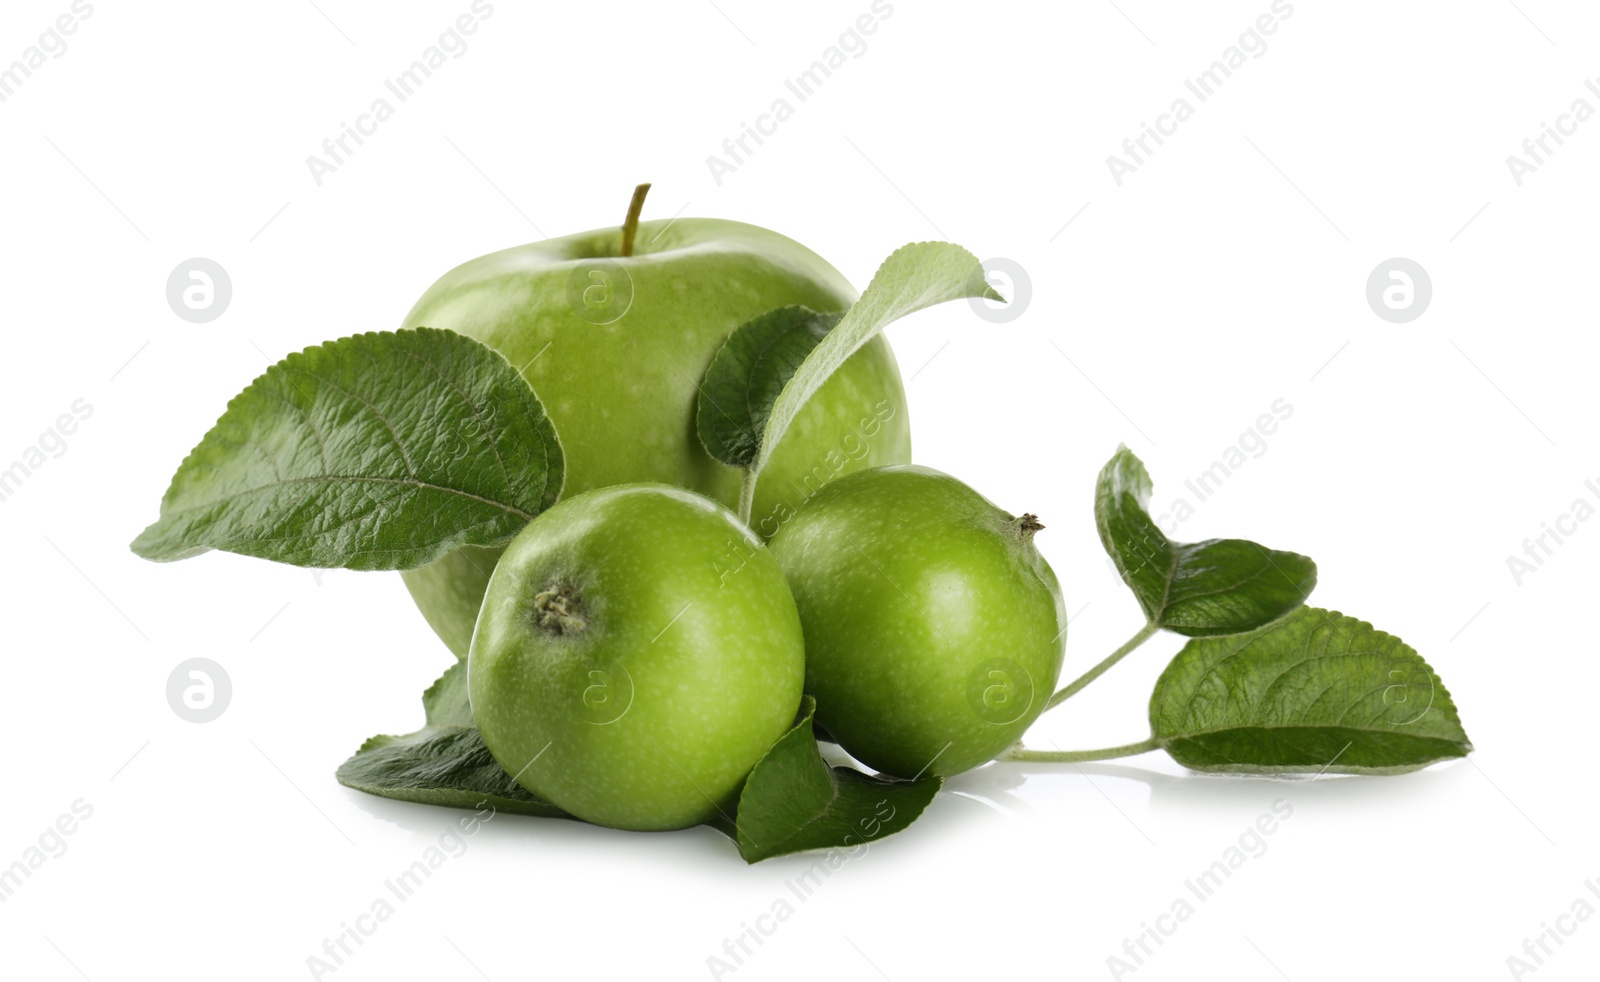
x=637, y=652
x=934, y=629
x=616, y=346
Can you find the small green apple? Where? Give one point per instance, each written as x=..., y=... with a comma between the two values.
x=616, y=345
x=934, y=629
x=636, y=654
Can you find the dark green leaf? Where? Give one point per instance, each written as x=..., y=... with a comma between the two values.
x=747, y=374
x=1315, y=691
x=794, y=801
x=378, y=451
x=1201, y=589
x=439, y=765
x=444, y=763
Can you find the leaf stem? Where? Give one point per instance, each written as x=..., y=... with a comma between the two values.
x=1072, y=688
x=630, y=225
x=747, y=494
x=1020, y=753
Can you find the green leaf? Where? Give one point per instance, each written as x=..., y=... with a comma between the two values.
x=793, y=801
x=915, y=276
x=444, y=763
x=440, y=765
x=747, y=375
x=1201, y=589
x=1316, y=691
x=379, y=451
x=446, y=702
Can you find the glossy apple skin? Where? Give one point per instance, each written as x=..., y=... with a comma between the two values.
x=622, y=394
x=641, y=696
x=934, y=628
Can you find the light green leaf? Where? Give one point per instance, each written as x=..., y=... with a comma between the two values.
x=1201, y=589
x=446, y=702
x=915, y=276
x=793, y=801
x=1315, y=691
x=378, y=451
x=747, y=375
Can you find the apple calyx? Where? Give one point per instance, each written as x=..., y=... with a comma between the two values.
x=559, y=611
x=1024, y=527
x=630, y=224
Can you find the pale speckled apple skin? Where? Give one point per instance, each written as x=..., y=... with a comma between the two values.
x=622, y=396
x=907, y=581
x=684, y=607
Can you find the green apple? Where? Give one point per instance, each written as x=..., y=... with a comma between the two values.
x=616, y=345
x=934, y=629
x=636, y=654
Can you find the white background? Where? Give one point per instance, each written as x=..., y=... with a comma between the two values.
x=1225, y=273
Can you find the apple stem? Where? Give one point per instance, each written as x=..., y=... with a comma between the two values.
x=630, y=225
